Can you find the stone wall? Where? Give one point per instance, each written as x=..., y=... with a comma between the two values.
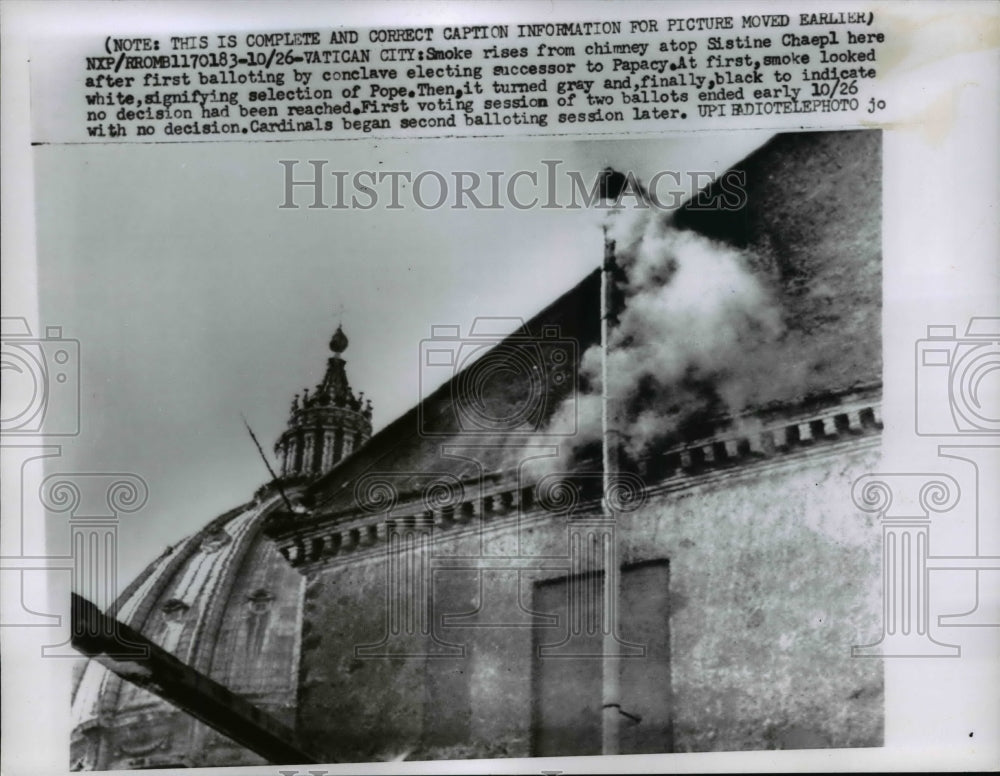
x=773, y=576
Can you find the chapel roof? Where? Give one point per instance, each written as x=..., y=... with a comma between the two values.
x=810, y=231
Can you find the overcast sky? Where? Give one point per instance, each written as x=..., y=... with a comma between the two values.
x=195, y=298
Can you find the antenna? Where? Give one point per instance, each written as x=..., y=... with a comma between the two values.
x=274, y=477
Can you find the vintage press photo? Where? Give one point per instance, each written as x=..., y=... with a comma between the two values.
x=427, y=574
x=667, y=450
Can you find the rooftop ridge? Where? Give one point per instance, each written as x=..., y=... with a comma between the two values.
x=305, y=539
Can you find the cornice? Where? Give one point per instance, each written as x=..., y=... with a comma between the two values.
x=498, y=500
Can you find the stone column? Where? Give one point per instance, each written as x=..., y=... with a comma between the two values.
x=284, y=458
x=307, y=453
x=327, y=460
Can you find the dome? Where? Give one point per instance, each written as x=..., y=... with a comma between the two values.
x=225, y=602
x=222, y=600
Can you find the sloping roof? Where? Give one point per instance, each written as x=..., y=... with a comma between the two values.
x=447, y=417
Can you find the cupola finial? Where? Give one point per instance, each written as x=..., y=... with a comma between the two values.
x=328, y=424
x=339, y=341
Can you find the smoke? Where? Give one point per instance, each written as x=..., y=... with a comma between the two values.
x=697, y=336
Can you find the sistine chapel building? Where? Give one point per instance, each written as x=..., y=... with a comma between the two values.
x=628, y=518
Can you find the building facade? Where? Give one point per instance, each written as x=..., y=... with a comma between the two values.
x=473, y=581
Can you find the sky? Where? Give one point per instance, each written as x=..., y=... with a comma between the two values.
x=195, y=298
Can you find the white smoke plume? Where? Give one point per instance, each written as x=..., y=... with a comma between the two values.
x=696, y=334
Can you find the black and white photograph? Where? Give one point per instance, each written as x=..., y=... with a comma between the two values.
x=418, y=567
x=457, y=449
